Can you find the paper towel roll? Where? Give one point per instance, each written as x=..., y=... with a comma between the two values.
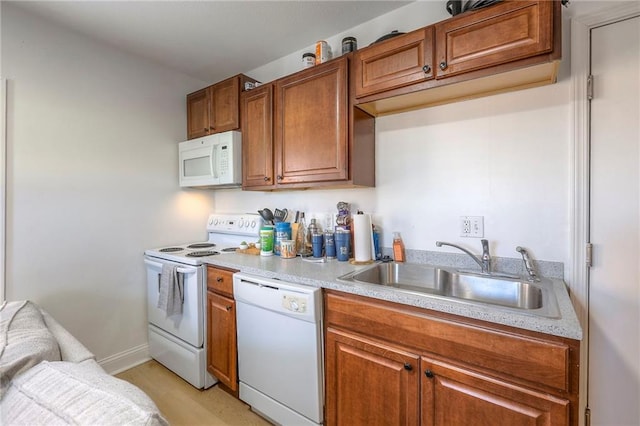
x=362, y=237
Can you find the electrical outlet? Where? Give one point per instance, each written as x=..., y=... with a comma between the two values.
x=472, y=226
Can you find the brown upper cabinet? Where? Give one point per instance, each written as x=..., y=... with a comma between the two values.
x=216, y=108
x=511, y=45
x=257, y=137
x=319, y=139
x=401, y=61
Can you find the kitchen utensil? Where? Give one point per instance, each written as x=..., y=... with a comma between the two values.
x=267, y=215
x=392, y=34
x=280, y=215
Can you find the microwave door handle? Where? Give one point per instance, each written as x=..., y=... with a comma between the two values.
x=214, y=160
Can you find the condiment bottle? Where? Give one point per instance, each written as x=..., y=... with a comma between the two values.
x=398, y=248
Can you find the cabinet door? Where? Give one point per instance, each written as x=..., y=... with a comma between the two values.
x=454, y=396
x=221, y=339
x=369, y=383
x=398, y=62
x=257, y=137
x=311, y=125
x=197, y=114
x=502, y=33
x=225, y=105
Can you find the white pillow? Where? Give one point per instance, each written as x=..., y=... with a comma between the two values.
x=53, y=393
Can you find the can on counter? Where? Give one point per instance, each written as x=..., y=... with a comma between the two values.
x=308, y=60
x=349, y=44
x=323, y=52
x=282, y=232
x=266, y=241
x=288, y=249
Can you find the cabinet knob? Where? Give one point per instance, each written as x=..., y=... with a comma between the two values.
x=408, y=366
x=279, y=177
x=426, y=69
x=205, y=129
x=211, y=128
x=443, y=65
x=267, y=178
x=228, y=308
x=219, y=279
x=429, y=374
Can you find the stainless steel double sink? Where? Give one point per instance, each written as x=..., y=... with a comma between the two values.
x=502, y=291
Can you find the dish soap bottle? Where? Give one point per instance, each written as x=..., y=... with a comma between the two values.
x=398, y=248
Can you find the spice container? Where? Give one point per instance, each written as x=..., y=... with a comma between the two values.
x=349, y=44
x=323, y=52
x=308, y=60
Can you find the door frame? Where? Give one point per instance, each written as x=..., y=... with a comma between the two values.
x=581, y=27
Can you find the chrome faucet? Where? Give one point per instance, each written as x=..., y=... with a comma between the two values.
x=484, y=261
x=531, y=270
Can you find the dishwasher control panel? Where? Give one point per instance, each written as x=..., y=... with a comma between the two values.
x=295, y=303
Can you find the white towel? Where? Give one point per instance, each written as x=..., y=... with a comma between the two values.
x=171, y=295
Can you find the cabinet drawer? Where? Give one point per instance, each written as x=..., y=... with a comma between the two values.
x=503, y=33
x=220, y=280
x=398, y=62
x=533, y=359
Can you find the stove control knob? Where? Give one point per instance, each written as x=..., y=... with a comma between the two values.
x=253, y=223
x=215, y=221
x=210, y=221
x=241, y=224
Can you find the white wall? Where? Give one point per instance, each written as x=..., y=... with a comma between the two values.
x=92, y=178
x=504, y=157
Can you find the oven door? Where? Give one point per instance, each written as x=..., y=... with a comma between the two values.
x=188, y=326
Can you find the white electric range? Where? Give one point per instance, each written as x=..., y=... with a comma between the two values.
x=179, y=341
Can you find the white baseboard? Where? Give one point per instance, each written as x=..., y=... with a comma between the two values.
x=125, y=360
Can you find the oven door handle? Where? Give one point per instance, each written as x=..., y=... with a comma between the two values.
x=179, y=270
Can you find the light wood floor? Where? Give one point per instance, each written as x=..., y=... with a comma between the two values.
x=182, y=404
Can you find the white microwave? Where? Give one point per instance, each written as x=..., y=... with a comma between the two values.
x=211, y=161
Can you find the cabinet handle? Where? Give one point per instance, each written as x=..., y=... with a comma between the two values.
x=429, y=374
x=205, y=129
x=443, y=65
x=211, y=128
x=219, y=279
x=426, y=69
x=408, y=366
x=267, y=178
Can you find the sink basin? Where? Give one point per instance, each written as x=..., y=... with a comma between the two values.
x=511, y=293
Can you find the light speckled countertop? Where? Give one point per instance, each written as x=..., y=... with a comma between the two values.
x=324, y=275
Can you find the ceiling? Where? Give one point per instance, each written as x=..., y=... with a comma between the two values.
x=210, y=40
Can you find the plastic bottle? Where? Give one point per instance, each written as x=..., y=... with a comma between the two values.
x=398, y=248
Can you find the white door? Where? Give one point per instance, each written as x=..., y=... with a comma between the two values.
x=614, y=279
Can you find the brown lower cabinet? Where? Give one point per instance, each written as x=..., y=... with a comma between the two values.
x=222, y=352
x=391, y=364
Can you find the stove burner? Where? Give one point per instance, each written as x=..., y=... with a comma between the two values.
x=170, y=249
x=201, y=245
x=202, y=253
x=229, y=249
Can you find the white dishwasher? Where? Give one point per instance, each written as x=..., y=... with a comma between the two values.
x=280, y=349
